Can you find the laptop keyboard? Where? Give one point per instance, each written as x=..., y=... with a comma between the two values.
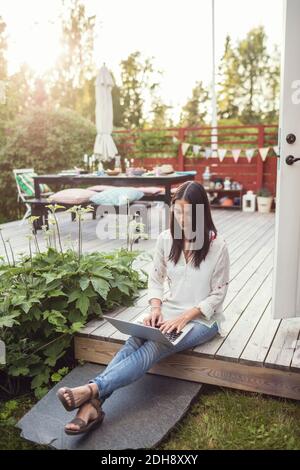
x=172, y=336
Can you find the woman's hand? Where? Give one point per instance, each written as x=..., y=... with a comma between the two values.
x=177, y=323
x=154, y=317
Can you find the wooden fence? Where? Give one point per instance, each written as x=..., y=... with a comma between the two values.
x=150, y=147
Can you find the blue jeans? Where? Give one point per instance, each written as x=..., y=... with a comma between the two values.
x=138, y=355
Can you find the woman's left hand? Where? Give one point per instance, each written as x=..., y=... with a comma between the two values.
x=167, y=326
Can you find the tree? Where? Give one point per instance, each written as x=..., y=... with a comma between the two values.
x=253, y=69
x=273, y=88
x=3, y=79
x=39, y=96
x=227, y=107
x=72, y=78
x=195, y=111
x=249, y=79
x=138, y=83
x=3, y=50
x=160, y=114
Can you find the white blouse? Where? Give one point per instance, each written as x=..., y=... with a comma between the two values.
x=204, y=287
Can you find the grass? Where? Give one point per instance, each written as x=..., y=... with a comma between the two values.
x=219, y=418
x=10, y=412
x=227, y=419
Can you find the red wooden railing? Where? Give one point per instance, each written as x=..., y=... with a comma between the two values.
x=150, y=147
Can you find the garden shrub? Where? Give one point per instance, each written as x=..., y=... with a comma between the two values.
x=46, y=139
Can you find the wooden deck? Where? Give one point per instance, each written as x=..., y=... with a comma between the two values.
x=257, y=354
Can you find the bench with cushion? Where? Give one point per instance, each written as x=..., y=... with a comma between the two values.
x=68, y=198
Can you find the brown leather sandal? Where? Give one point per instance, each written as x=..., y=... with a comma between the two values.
x=61, y=392
x=83, y=426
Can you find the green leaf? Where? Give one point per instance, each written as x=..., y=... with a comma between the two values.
x=84, y=282
x=41, y=379
x=74, y=295
x=103, y=272
x=9, y=320
x=101, y=286
x=56, y=377
x=40, y=392
x=54, y=317
x=16, y=371
x=76, y=326
x=56, y=293
x=83, y=304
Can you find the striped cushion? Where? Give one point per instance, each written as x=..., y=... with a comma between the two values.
x=26, y=183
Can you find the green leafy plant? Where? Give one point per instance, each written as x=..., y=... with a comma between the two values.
x=48, y=296
x=263, y=192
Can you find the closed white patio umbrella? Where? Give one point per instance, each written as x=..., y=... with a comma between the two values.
x=104, y=148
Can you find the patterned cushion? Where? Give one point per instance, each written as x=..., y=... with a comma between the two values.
x=26, y=183
x=116, y=196
x=74, y=196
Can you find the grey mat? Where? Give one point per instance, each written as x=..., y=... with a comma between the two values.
x=138, y=416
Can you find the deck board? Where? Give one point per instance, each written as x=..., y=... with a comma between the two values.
x=258, y=353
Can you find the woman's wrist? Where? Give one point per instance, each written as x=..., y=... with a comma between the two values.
x=155, y=303
x=154, y=308
x=195, y=312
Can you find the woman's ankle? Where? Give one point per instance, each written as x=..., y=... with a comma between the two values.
x=95, y=390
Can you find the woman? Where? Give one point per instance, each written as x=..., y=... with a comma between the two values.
x=197, y=275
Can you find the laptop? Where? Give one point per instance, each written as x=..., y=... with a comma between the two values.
x=137, y=328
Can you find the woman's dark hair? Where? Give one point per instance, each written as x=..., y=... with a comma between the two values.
x=194, y=193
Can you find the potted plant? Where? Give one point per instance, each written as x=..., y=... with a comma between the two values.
x=264, y=200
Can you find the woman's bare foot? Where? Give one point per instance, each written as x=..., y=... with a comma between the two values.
x=81, y=394
x=87, y=412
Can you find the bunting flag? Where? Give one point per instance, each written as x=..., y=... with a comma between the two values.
x=236, y=154
x=185, y=147
x=249, y=154
x=263, y=152
x=208, y=152
x=174, y=139
x=221, y=154
x=196, y=149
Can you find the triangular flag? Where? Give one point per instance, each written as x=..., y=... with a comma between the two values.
x=185, y=148
x=175, y=140
x=264, y=152
x=208, y=152
x=236, y=154
x=196, y=149
x=249, y=154
x=276, y=149
x=221, y=154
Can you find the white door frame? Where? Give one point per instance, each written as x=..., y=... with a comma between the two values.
x=286, y=276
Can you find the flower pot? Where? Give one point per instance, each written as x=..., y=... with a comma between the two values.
x=264, y=203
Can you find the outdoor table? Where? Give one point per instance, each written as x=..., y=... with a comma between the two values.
x=121, y=180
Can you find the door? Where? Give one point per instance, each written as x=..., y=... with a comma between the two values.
x=286, y=275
